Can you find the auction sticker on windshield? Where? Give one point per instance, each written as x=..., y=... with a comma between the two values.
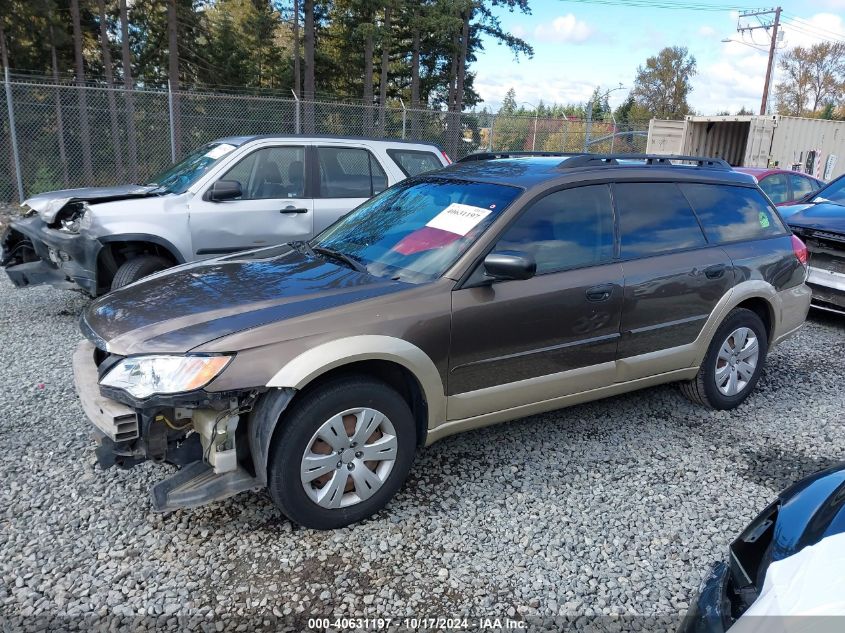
x=219, y=150
x=458, y=218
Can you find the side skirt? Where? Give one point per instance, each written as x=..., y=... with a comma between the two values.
x=458, y=426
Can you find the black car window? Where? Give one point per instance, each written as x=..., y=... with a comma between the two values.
x=271, y=172
x=655, y=218
x=413, y=162
x=776, y=188
x=566, y=229
x=801, y=185
x=730, y=213
x=349, y=172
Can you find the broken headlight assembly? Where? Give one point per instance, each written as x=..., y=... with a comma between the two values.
x=76, y=218
x=143, y=376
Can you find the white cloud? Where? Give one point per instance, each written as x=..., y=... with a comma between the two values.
x=812, y=30
x=517, y=30
x=565, y=28
x=707, y=31
x=555, y=90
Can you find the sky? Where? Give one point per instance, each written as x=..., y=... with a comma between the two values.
x=581, y=44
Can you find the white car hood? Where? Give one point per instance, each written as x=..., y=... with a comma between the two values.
x=809, y=583
x=48, y=205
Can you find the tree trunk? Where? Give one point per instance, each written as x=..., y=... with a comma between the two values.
x=296, y=69
x=385, y=69
x=57, y=98
x=415, y=75
x=4, y=59
x=81, y=91
x=368, y=79
x=451, y=122
x=308, y=93
x=4, y=53
x=173, y=72
x=128, y=86
x=107, y=67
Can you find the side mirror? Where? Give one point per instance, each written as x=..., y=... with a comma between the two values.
x=225, y=190
x=510, y=266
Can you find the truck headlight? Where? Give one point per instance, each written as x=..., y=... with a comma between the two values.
x=143, y=376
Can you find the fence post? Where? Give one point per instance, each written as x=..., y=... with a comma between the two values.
x=589, y=125
x=295, y=113
x=404, y=117
x=490, y=137
x=172, y=128
x=13, y=134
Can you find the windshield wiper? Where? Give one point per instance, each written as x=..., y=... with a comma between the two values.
x=343, y=257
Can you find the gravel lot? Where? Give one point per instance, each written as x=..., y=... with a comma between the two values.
x=615, y=507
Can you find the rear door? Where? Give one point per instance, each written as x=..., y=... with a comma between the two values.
x=520, y=336
x=673, y=276
x=274, y=208
x=345, y=176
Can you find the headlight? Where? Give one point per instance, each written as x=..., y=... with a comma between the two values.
x=142, y=376
x=78, y=218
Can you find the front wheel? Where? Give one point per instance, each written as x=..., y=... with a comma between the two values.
x=733, y=363
x=341, y=453
x=137, y=268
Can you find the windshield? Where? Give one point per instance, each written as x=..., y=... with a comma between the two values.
x=834, y=192
x=415, y=230
x=182, y=175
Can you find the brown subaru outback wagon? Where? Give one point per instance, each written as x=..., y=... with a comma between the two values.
x=493, y=289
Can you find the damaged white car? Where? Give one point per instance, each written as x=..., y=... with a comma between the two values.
x=230, y=195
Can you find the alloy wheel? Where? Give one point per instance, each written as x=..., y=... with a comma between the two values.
x=349, y=458
x=737, y=361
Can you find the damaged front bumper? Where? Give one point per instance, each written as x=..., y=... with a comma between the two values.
x=206, y=435
x=35, y=254
x=826, y=273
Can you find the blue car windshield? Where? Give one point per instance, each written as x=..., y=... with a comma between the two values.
x=834, y=192
x=183, y=174
x=415, y=230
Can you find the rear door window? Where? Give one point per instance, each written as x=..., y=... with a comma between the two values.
x=349, y=172
x=801, y=186
x=413, y=162
x=776, y=188
x=730, y=214
x=566, y=229
x=655, y=218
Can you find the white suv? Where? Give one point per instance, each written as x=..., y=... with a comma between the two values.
x=233, y=194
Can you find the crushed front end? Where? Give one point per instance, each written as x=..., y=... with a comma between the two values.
x=203, y=433
x=59, y=253
x=826, y=273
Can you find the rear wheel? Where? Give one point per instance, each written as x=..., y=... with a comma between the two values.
x=138, y=268
x=341, y=453
x=733, y=363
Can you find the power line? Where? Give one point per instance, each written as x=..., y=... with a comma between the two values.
x=663, y=4
x=811, y=26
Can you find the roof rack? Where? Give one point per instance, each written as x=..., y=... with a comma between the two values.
x=662, y=160
x=492, y=155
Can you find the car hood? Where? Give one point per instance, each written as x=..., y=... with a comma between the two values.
x=48, y=205
x=823, y=216
x=179, y=309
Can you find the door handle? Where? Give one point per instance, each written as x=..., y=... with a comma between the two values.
x=599, y=293
x=292, y=209
x=715, y=271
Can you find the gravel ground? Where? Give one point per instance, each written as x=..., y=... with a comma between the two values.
x=614, y=507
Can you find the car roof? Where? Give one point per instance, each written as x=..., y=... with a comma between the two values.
x=528, y=171
x=240, y=140
x=762, y=172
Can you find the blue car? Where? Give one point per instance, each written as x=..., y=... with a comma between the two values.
x=820, y=223
x=798, y=541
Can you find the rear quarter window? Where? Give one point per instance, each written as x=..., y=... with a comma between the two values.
x=731, y=214
x=413, y=162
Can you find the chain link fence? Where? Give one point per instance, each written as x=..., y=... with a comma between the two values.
x=61, y=135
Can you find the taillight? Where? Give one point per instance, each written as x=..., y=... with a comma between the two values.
x=800, y=250
x=446, y=157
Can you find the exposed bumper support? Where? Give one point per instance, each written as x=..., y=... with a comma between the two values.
x=828, y=289
x=196, y=484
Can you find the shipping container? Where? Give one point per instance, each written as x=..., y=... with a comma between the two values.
x=813, y=146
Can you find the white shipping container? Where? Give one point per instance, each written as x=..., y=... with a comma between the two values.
x=813, y=146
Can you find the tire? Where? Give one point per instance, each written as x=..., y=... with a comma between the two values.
x=325, y=502
x=138, y=268
x=705, y=389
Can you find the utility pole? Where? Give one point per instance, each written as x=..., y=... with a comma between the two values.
x=774, y=25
